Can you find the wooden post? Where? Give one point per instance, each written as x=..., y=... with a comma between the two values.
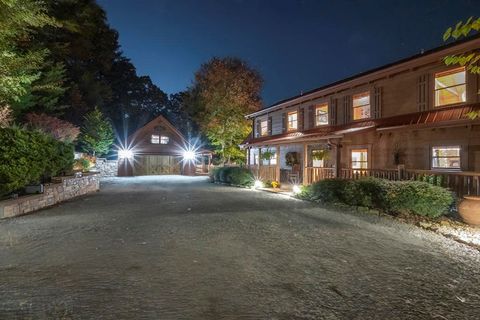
x=277, y=168
x=259, y=162
x=337, y=161
x=305, y=163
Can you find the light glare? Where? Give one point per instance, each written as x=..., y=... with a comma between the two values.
x=296, y=189
x=258, y=184
x=125, y=154
x=189, y=155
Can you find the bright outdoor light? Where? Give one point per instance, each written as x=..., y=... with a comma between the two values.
x=258, y=184
x=296, y=189
x=189, y=155
x=125, y=154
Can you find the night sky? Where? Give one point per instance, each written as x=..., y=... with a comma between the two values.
x=296, y=45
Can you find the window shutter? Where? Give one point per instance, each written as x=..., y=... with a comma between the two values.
x=269, y=126
x=347, y=106
x=422, y=92
x=332, y=112
x=300, y=119
x=311, y=117
x=258, y=129
x=284, y=122
x=377, y=103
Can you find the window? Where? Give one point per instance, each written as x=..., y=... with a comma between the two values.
x=359, y=159
x=164, y=140
x=446, y=157
x=273, y=159
x=361, y=106
x=321, y=114
x=292, y=121
x=155, y=139
x=264, y=128
x=450, y=87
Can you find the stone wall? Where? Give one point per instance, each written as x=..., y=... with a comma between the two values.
x=106, y=168
x=64, y=188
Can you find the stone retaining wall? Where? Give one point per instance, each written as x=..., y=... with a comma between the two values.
x=64, y=189
x=106, y=168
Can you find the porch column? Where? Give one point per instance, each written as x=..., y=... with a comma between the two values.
x=248, y=157
x=305, y=163
x=337, y=160
x=277, y=168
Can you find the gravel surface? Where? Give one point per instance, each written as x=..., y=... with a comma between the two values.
x=182, y=248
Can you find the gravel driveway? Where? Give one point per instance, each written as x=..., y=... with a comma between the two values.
x=182, y=248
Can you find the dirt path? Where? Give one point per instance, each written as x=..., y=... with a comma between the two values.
x=182, y=248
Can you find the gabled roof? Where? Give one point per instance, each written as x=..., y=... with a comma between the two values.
x=444, y=117
x=151, y=125
x=429, y=54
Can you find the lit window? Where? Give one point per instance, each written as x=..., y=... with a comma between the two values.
x=361, y=106
x=450, y=87
x=164, y=140
x=264, y=128
x=155, y=139
x=446, y=157
x=292, y=121
x=359, y=159
x=321, y=114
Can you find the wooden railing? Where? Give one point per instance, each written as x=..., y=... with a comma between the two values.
x=462, y=183
x=314, y=174
x=390, y=174
x=265, y=173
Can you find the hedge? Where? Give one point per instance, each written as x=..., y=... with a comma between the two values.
x=415, y=197
x=29, y=157
x=233, y=175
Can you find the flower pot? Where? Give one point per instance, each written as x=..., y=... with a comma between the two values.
x=469, y=210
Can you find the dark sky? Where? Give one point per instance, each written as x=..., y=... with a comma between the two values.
x=296, y=45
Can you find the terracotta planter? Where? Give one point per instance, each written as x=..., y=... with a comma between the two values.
x=469, y=210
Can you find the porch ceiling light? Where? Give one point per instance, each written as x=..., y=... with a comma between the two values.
x=125, y=154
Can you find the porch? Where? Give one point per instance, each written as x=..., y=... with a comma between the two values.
x=319, y=161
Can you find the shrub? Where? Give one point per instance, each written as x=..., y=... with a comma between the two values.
x=29, y=157
x=82, y=164
x=329, y=190
x=6, y=116
x=59, y=129
x=367, y=192
x=420, y=198
x=233, y=175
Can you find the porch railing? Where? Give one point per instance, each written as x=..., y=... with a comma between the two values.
x=462, y=183
x=390, y=174
x=265, y=173
x=314, y=174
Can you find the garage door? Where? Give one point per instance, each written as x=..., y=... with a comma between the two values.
x=155, y=165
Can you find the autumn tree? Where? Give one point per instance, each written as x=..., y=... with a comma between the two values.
x=469, y=60
x=96, y=133
x=224, y=91
x=59, y=129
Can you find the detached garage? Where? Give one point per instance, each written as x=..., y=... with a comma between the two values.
x=158, y=149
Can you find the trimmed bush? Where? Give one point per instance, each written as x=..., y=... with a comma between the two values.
x=420, y=198
x=30, y=156
x=328, y=191
x=367, y=192
x=233, y=175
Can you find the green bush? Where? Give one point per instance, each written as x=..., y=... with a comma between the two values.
x=29, y=156
x=367, y=192
x=421, y=198
x=233, y=175
x=328, y=190
x=82, y=164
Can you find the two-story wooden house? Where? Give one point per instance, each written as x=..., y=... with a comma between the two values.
x=410, y=114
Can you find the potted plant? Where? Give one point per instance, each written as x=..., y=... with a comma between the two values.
x=322, y=154
x=469, y=210
x=267, y=155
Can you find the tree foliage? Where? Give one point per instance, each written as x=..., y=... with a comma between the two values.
x=6, y=117
x=21, y=61
x=225, y=89
x=468, y=60
x=59, y=129
x=96, y=133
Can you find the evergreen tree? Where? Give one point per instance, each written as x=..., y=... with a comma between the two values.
x=96, y=133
